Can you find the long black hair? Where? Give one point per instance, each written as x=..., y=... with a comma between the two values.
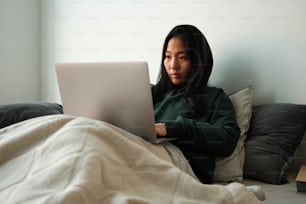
x=200, y=55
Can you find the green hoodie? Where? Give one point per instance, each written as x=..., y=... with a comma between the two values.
x=201, y=137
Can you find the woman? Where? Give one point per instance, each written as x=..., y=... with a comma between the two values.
x=201, y=117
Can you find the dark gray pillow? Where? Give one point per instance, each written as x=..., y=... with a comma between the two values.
x=13, y=113
x=275, y=132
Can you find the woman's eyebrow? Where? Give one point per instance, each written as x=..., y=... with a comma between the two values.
x=180, y=52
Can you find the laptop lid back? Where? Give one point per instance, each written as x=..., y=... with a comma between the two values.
x=115, y=92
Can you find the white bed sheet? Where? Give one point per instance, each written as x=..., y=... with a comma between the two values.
x=65, y=159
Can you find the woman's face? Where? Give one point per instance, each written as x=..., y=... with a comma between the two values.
x=177, y=62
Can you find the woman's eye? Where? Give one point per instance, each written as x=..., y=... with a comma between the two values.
x=167, y=57
x=183, y=57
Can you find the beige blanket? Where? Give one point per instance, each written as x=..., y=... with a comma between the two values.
x=65, y=159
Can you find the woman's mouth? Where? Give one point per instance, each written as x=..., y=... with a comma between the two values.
x=175, y=76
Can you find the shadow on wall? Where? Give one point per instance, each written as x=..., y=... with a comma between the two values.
x=263, y=64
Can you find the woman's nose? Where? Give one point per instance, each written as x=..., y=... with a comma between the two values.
x=174, y=63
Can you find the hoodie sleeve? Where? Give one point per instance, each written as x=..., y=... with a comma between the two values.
x=217, y=137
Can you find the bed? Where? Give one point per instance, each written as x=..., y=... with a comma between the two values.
x=50, y=157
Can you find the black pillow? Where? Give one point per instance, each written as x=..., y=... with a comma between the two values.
x=13, y=113
x=275, y=132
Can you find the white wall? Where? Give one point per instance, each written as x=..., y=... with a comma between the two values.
x=254, y=42
x=19, y=51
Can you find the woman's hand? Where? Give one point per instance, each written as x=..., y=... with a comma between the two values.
x=160, y=129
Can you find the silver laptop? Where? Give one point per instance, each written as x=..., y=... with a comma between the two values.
x=115, y=92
